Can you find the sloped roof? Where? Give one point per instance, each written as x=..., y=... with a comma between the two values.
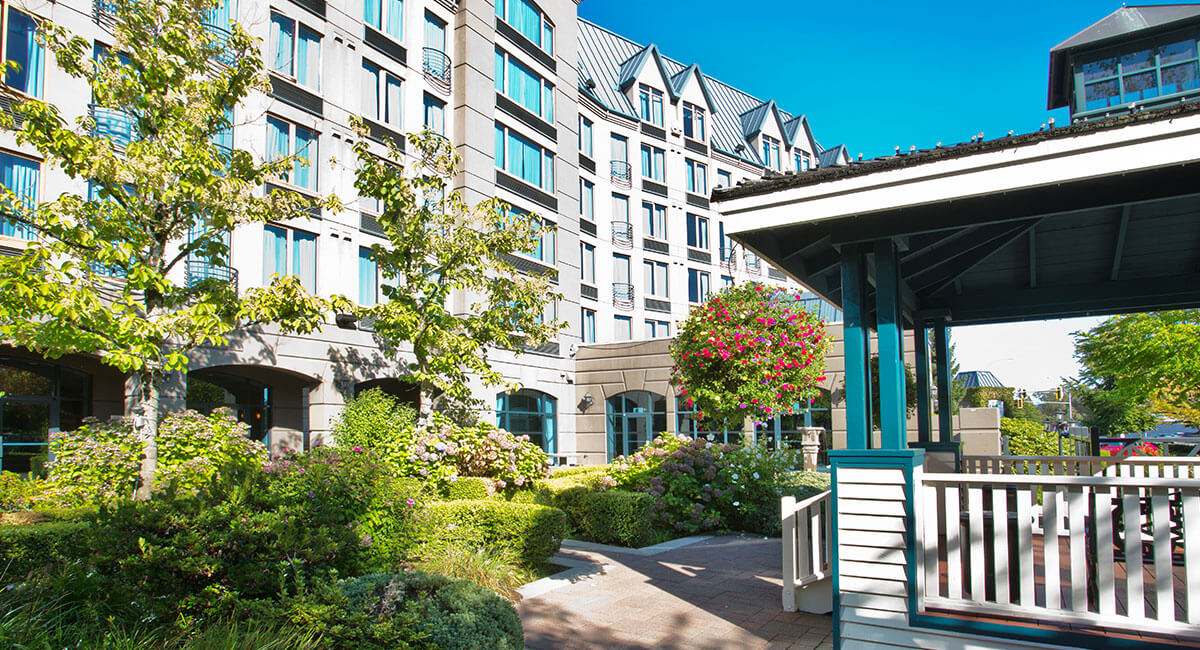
x=607, y=59
x=1118, y=25
x=978, y=379
x=633, y=66
x=834, y=156
x=792, y=129
x=680, y=79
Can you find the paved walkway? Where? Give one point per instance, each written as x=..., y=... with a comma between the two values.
x=720, y=592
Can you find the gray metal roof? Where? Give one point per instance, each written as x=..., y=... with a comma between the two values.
x=1118, y=25
x=610, y=62
x=834, y=156
x=978, y=379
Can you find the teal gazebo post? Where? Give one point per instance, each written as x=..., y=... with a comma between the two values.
x=879, y=483
x=924, y=406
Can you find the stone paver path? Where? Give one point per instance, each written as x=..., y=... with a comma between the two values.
x=720, y=592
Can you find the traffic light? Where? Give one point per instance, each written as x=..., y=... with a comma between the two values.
x=1058, y=394
x=1020, y=402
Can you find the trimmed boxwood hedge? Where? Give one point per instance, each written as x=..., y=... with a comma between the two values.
x=618, y=517
x=533, y=532
x=469, y=488
x=27, y=547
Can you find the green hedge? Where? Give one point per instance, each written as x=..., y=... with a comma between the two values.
x=469, y=488
x=24, y=548
x=617, y=517
x=1028, y=438
x=533, y=532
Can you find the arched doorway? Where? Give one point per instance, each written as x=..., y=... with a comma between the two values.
x=273, y=401
x=633, y=419
x=38, y=397
x=249, y=399
x=406, y=392
x=784, y=431
x=531, y=413
x=687, y=424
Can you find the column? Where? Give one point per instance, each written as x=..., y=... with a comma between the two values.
x=889, y=325
x=924, y=410
x=941, y=350
x=854, y=346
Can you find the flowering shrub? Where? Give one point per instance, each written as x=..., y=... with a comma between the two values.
x=18, y=492
x=96, y=463
x=750, y=351
x=754, y=475
x=444, y=451
x=378, y=422
x=192, y=448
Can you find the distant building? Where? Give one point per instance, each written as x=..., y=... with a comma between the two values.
x=978, y=379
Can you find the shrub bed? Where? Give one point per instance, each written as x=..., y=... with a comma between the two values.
x=469, y=488
x=618, y=517
x=28, y=547
x=533, y=532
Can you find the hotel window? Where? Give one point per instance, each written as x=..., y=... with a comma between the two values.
x=697, y=285
x=587, y=263
x=585, y=136
x=724, y=179
x=21, y=48
x=697, y=231
x=588, y=325
x=547, y=245
x=653, y=162
x=386, y=16
x=20, y=176
x=658, y=329
x=619, y=147
x=655, y=218
x=587, y=199
x=622, y=328
x=286, y=139
x=770, y=152
x=693, y=121
x=522, y=158
x=529, y=413
x=697, y=177
x=650, y=104
x=726, y=281
x=381, y=95
x=296, y=51
x=529, y=21
x=435, y=114
x=1147, y=73
x=368, y=278
x=802, y=161
x=620, y=211
x=656, y=279
x=524, y=86
x=286, y=248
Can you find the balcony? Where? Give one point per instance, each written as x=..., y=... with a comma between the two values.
x=220, y=34
x=622, y=174
x=197, y=271
x=622, y=234
x=104, y=12
x=436, y=65
x=728, y=258
x=114, y=125
x=753, y=264
x=623, y=296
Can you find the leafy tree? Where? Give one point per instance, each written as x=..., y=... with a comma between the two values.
x=1111, y=412
x=102, y=272
x=451, y=291
x=751, y=351
x=1149, y=363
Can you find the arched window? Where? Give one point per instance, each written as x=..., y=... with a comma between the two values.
x=709, y=429
x=37, y=398
x=531, y=413
x=783, y=431
x=250, y=400
x=634, y=417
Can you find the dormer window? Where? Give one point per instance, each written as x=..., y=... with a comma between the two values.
x=693, y=122
x=529, y=21
x=802, y=161
x=650, y=104
x=1143, y=72
x=770, y=152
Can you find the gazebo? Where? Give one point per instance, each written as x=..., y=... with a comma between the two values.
x=1101, y=216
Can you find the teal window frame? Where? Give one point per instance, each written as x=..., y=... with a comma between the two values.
x=686, y=424
x=654, y=162
x=529, y=21
x=1127, y=75
x=295, y=51
x=697, y=176
x=587, y=325
x=386, y=16
x=434, y=114
x=697, y=231
x=285, y=139
x=655, y=218
x=649, y=407
x=693, y=122
x=523, y=158
x=770, y=152
x=546, y=250
x=521, y=84
x=586, y=145
x=657, y=278
x=587, y=262
x=22, y=48
x=382, y=95
x=622, y=328
x=587, y=199
x=724, y=178
x=650, y=104
x=21, y=176
x=803, y=161
x=368, y=278
x=658, y=329
x=288, y=251
x=517, y=412
x=699, y=285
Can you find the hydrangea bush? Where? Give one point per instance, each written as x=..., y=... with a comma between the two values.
x=751, y=351
x=193, y=448
x=444, y=451
x=96, y=463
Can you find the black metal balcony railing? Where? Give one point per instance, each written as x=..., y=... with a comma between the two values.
x=221, y=36
x=753, y=263
x=623, y=295
x=437, y=68
x=622, y=174
x=622, y=234
x=197, y=271
x=104, y=11
x=728, y=259
x=117, y=126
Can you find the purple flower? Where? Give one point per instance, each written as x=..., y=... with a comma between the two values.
x=410, y=502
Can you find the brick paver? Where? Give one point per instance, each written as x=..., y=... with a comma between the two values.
x=720, y=593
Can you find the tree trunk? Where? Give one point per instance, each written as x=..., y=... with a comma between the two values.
x=146, y=419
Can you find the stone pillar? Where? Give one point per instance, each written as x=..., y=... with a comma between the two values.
x=810, y=446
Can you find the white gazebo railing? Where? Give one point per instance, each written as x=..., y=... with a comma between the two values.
x=807, y=556
x=1118, y=552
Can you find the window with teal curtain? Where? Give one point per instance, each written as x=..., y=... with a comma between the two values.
x=304, y=259
x=435, y=115
x=224, y=138
x=308, y=59
x=500, y=146
x=499, y=73
x=20, y=175
x=278, y=137
x=395, y=18
x=368, y=278
x=274, y=252
x=392, y=103
x=306, y=152
x=372, y=13
x=222, y=14
x=370, y=90
x=435, y=32
x=24, y=50
x=283, y=34
x=531, y=413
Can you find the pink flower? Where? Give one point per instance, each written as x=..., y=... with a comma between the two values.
x=410, y=502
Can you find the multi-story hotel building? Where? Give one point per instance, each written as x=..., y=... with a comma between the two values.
x=611, y=141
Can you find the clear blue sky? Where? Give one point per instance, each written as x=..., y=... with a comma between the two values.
x=872, y=75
